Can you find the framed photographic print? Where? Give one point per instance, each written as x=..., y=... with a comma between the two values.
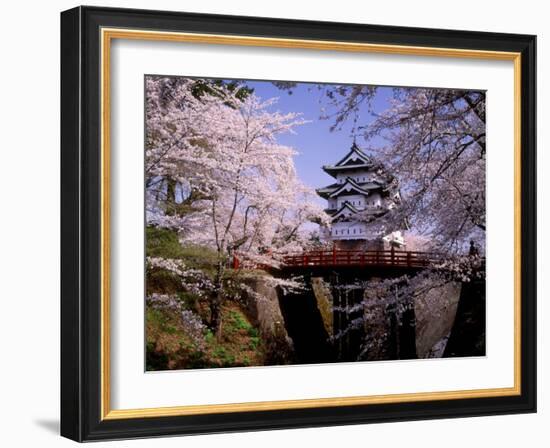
x=272, y=223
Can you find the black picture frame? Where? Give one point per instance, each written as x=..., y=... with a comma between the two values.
x=81, y=381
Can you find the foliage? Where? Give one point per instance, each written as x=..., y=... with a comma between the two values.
x=177, y=310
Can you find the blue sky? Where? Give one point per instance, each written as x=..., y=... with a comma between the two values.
x=314, y=141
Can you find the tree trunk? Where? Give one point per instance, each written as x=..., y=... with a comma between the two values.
x=216, y=302
x=171, y=192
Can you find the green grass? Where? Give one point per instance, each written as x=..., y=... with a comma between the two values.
x=162, y=243
x=165, y=243
x=254, y=343
x=236, y=321
x=168, y=345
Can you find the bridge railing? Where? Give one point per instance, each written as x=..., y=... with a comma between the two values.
x=395, y=258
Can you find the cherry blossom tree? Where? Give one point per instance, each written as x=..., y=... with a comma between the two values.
x=216, y=173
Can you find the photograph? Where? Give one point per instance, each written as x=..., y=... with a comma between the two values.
x=291, y=223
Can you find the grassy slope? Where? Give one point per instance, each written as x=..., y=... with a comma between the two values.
x=168, y=345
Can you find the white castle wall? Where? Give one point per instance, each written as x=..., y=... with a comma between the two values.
x=332, y=203
x=348, y=231
x=357, y=176
x=357, y=200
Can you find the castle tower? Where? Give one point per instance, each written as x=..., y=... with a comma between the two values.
x=362, y=192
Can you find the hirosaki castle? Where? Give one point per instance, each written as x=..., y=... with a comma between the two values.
x=362, y=191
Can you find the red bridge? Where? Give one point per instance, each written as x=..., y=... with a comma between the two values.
x=378, y=258
x=359, y=258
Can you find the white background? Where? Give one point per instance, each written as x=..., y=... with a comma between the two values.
x=29, y=185
x=133, y=388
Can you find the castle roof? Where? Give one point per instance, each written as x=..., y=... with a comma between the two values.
x=347, y=187
x=350, y=186
x=355, y=159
